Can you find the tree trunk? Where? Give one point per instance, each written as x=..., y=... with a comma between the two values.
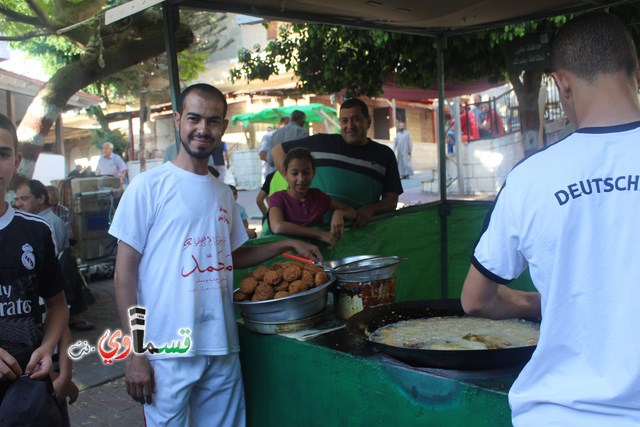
x=53, y=96
x=527, y=90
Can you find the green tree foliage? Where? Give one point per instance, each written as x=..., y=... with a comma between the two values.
x=117, y=61
x=328, y=59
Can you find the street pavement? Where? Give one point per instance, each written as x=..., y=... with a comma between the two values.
x=103, y=400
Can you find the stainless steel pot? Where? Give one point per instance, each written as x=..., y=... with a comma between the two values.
x=364, y=283
x=287, y=309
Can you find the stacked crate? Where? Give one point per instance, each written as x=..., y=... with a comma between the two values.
x=92, y=208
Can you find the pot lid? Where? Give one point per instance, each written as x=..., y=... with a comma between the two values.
x=367, y=264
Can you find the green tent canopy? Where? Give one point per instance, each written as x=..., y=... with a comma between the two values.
x=314, y=112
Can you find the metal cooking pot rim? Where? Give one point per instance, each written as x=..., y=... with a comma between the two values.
x=367, y=264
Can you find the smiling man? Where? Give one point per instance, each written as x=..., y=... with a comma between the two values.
x=180, y=235
x=351, y=167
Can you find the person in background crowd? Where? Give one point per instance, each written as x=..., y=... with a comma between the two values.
x=261, y=197
x=265, y=148
x=29, y=270
x=75, y=172
x=111, y=164
x=293, y=130
x=477, y=109
x=403, y=148
x=251, y=232
x=180, y=238
x=32, y=197
x=61, y=211
x=350, y=167
x=469, y=130
x=492, y=123
x=219, y=156
x=569, y=213
x=265, y=142
x=87, y=173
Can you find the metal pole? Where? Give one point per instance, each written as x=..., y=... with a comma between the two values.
x=442, y=160
x=171, y=19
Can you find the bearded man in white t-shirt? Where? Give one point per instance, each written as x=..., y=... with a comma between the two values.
x=570, y=214
x=180, y=235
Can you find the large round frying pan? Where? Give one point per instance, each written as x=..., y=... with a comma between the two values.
x=372, y=318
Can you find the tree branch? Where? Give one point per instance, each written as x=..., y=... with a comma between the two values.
x=42, y=17
x=14, y=16
x=27, y=36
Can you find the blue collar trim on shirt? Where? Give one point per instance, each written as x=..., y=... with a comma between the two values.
x=610, y=129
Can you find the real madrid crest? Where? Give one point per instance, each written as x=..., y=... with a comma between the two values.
x=28, y=258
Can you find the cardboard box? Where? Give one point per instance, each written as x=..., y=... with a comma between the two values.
x=88, y=249
x=90, y=225
x=98, y=183
x=92, y=203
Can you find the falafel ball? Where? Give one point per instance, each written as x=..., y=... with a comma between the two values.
x=263, y=292
x=291, y=272
x=312, y=268
x=281, y=294
x=260, y=272
x=321, y=277
x=297, y=286
x=240, y=296
x=282, y=286
x=308, y=278
x=248, y=285
x=272, y=277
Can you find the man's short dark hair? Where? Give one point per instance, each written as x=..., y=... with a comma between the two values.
x=38, y=190
x=298, y=117
x=7, y=124
x=355, y=102
x=205, y=89
x=593, y=44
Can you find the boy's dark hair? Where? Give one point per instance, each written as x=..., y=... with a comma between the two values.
x=593, y=44
x=202, y=88
x=7, y=124
x=355, y=102
x=38, y=190
x=299, y=153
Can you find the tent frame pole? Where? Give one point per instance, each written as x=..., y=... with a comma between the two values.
x=445, y=208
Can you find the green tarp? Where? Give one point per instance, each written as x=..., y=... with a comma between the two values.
x=273, y=115
x=413, y=233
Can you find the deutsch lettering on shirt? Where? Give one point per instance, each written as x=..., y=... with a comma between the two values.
x=591, y=186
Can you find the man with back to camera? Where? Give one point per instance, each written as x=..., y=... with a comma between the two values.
x=569, y=213
x=351, y=167
x=180, y=236
x=290, y=132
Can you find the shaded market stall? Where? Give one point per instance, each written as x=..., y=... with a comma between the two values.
x=315, y=113
x=333, y=379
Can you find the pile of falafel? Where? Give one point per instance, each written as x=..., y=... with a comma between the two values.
x=279, y=280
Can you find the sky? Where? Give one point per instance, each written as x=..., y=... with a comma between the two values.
x=19, y=63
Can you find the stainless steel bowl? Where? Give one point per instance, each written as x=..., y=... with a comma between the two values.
x=294, y=307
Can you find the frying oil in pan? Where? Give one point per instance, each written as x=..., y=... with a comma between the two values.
x=458, y=333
